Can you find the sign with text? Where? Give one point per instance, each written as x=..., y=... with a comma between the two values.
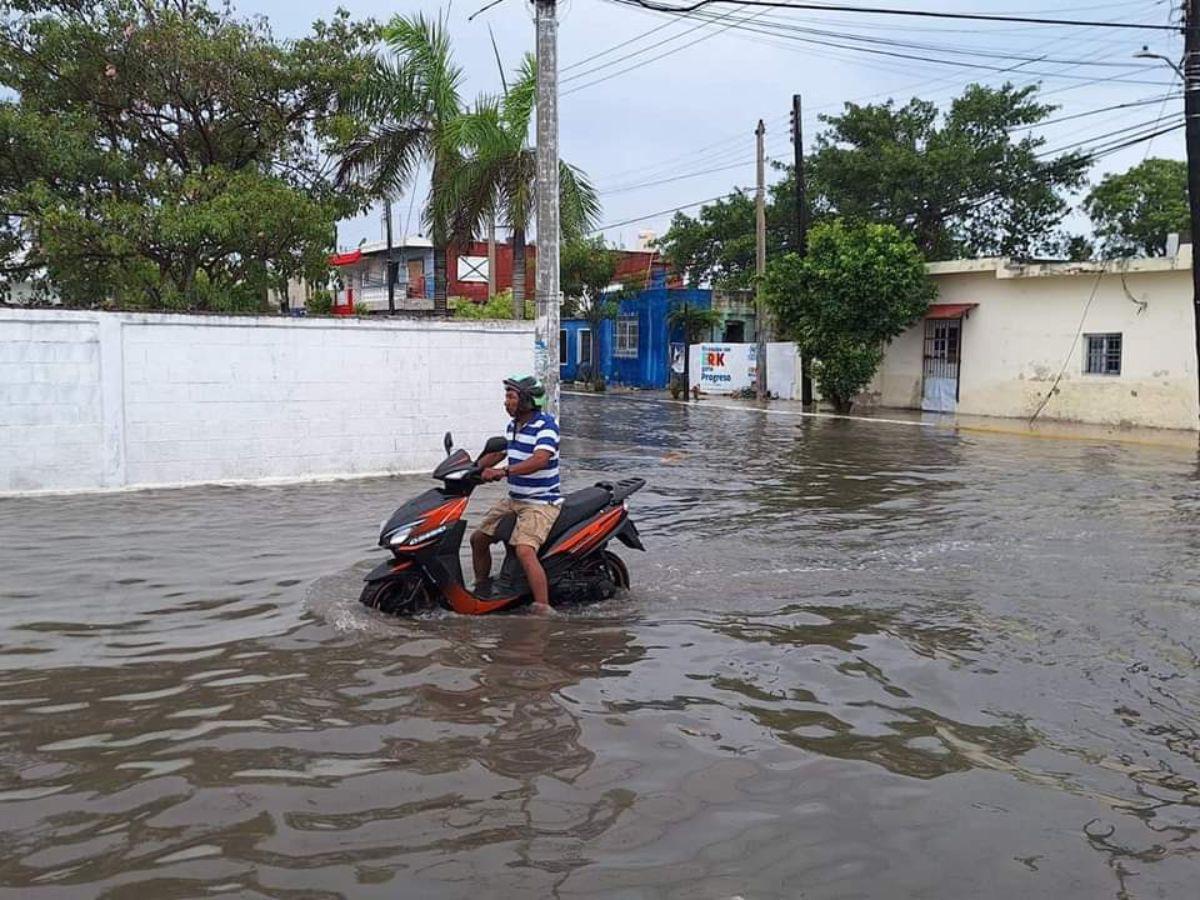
x=725, y=368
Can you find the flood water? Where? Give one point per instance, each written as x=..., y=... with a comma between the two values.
x=858, y=660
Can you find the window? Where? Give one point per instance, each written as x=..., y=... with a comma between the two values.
x=473, y=269
x=1103, y=354
x=562, y=346
x=627, y=337
x=585, y=347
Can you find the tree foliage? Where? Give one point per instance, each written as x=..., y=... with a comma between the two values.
x=960, y=183
x=1134, y=211
x=718, y=245
x=587, y=269
x=497, y=172
x=693, y=321
x=858, y=287
x=167, y=154
x=404, y=109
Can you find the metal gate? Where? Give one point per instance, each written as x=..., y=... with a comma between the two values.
x=940, y=393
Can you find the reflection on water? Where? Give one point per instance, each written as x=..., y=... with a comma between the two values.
x=858, y=660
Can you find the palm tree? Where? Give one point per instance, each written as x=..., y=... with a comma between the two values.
x=407, y=108
x=498, y=173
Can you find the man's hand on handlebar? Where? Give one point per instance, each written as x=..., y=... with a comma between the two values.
x=492, y=474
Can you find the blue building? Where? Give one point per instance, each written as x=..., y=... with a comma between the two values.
x=634, y=349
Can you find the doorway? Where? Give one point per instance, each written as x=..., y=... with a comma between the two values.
x=942, y=357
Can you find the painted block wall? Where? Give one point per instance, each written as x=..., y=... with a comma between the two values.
x=1023, y=332
x=106, y=400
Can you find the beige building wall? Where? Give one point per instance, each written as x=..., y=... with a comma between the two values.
x=1025, y=327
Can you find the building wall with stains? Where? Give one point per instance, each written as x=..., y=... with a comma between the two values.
x=1031, y=324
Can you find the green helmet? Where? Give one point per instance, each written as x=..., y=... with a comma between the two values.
x=529, y=390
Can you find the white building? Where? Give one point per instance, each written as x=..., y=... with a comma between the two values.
x=1109, y=343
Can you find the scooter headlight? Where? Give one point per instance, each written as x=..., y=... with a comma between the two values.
x=402, y=534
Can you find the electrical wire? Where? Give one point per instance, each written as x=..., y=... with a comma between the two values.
x=883, y=11
x=1070, y=353
x=811, y=109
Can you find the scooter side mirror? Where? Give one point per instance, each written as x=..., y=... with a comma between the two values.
x=495, y=445
x=448, y=443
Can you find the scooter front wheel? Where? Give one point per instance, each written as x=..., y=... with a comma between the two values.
x=397, y=596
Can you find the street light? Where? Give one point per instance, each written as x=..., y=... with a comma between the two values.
x=1145, y=53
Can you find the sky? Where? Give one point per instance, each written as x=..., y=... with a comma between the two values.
x=660, y=110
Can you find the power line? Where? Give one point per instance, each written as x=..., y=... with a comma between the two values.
x=704, y=150
x=881, y=11
x=674, y=209
x=790, y=27
x=744, y=25
x=663, y=55
x=1092, y=156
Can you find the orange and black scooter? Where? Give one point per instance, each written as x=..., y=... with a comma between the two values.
x=425, y=535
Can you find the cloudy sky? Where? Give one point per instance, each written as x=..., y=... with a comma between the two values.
x=660, y=109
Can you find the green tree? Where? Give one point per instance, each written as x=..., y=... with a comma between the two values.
x=694, y=321
x=161, y=155
x=405, y=109
x=587, y=272
x=858, y=287
x=717, y=246
x=959, y=183
x=499, y=169
x=1134, y=211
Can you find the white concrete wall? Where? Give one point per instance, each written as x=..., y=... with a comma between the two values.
x=97, y=400
x=783, y=370
x=1017, y=340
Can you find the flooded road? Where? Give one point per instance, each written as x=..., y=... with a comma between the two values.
x=858, y=660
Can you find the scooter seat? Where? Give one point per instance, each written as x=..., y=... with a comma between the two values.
x=576, y=507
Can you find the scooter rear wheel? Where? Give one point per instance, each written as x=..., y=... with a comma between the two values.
x=617, y=570
x=397, y=596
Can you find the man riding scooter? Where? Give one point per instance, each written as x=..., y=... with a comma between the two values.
x=534, y=495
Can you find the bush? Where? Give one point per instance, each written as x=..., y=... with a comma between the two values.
x=499, y=307
x=319, y=304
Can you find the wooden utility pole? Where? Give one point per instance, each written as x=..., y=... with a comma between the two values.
x=491, y=256
x=1191, y=109
x=545, y=334
x=806, y=391
x=387, y=266
x=760, y=265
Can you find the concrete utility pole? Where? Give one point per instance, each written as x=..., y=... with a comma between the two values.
x=1191, y=109
x=806, y=391
x=387, y=266
x=545, y=342
x=760, y=265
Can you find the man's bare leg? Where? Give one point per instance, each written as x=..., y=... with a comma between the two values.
x=535, y=575
x=481, y=555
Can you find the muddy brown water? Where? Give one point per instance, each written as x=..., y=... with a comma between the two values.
x=858, y=660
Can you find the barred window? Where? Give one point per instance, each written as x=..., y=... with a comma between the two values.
x=627, y=337
x=585, y=347
x=1103, y=354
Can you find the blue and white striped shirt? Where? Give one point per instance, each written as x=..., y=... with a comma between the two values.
x=539, y=433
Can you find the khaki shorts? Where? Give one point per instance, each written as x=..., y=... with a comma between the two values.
x=534, y=521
